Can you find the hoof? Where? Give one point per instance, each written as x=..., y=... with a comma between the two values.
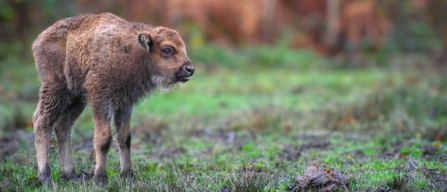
x=67, y=177
x=100, y=180
x=45, y=177
x=128, y=176
x=47, y=181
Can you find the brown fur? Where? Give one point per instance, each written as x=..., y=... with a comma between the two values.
x=111, y=64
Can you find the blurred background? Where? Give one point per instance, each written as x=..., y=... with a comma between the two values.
x=326, y=27
x=241, y=34
x=370, y=67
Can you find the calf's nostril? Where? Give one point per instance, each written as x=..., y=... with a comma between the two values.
x=189, y=69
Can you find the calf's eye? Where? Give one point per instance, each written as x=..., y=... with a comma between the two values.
x=167, y=51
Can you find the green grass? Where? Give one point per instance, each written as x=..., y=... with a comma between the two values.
x=252, y=128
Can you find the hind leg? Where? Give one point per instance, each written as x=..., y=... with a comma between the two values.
x=63, y=134
x=103, y=140
x=53, y=99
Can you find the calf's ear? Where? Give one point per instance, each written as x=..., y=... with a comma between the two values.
x=145, y=41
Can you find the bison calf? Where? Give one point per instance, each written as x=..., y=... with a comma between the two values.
x=111, y=64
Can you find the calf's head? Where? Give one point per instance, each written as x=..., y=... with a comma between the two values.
x=169, y=61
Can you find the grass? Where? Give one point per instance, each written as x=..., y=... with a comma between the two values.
x=252, y=128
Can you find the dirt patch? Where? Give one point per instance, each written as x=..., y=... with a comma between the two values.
x=85, y=144
x=315, y=178
x=8, y=146
x=429, y=150
x=293, y=152
x=290, y=154
x=321, y=145
x=221, y=135
x=226, y=188
x=170, y=153
x=360, y=154
x=320, y=142
x=394, y=150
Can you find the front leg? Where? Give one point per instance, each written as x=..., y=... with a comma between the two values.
x=122, y=122
x=103, y=140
